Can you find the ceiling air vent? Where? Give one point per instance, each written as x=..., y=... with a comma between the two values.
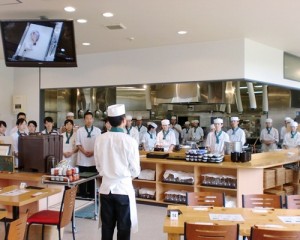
x=116, y=27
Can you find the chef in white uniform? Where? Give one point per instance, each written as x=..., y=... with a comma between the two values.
x=130, y=130
x=185, y=132
x=21, y=130
x=177, y=129
x=283, y=129
x=215, y=141
x=85, y=140
x=166, y=137
x=292, y=138
x=140, y=127
x=196, y=132
x=149, y=137
x=117, y=160
x=15, y=128
x=269, y=137
x=69, y=143
x=236, y=134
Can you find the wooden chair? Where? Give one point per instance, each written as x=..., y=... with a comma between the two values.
x=215, y=199
x=261, y=201
x=293, y=201
x=17, y=228
x=272, y=234
x=58, y=218
x=194, y=231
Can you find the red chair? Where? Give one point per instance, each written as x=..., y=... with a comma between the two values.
x=58, y=218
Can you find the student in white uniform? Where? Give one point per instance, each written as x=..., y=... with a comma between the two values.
x=269, y=137
x=177, y=129
x=185, y=132
x=117, y=160
x=85, y=140
x=236, y=134
x=69, y=143
x=166, y=137
x=69, y=116
x=283, y=129
x=3, y=127
x=130, y=130
x=32, y=125
x=21, y=127
x=215, y=141
x=49, y=126
x=140, y=127
x=292, y=138
x=15, y=128
x=149, y=137
x=196, y=132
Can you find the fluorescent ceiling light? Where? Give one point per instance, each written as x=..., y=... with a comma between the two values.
x=70, y=9
x=86, y=44
x=243, y=87
x=258, y=86
x=107, y=14
x=81, y=20
x=182, y=32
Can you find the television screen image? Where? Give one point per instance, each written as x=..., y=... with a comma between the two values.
x=39, y=43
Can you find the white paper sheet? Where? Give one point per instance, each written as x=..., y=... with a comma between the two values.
x=226, y=217
x=289, y=219
x=15, y=192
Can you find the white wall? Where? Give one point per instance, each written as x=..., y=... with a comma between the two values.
x=6, y=92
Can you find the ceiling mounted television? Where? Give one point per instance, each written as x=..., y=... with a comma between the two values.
x=39, y=43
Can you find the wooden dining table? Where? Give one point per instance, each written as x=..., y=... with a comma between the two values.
x=16, y=197
x=284, y=219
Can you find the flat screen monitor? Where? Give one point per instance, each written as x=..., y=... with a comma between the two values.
x=39, y=43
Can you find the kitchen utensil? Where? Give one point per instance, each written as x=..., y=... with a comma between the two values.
x=98, y=112
x=80, y=111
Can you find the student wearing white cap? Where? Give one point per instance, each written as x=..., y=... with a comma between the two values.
x=177, y=128
x=269, y=137
x=185, y=132
x=196, y=133
x=69, y=116
x=140, y=127
x=236, y=134
x=117, y=161
x=283, y=129
x=292, y=138
x=166, y=138
x=149, y=137
x=130, y=130
x=215, y=141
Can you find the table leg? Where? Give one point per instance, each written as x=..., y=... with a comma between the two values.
x=173, y=236
x=15, y=212
x=95, y=199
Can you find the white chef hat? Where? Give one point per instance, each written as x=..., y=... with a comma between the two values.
x=152, y=124
x=70, y=114
x=196, y=121
x=173, y=117
x=187, y=123
x=139, y=117
x=128, y=117
x=116, y=110
x=294, y=124
x=212, y=126
x=287, y=119
x=269, y=120
x=234, y=119
x=165, y=122
x=218, y=120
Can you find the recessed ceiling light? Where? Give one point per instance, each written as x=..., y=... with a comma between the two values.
x=108, y=14
x=86, y=44
x=70, y=9
x=182, y=32
x=81, y=20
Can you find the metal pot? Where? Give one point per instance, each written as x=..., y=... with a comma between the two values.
x=233, y=147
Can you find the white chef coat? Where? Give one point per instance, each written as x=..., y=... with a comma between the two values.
x=185, y=134
x=133, y=132
x=211, y=142
x=237, y=135
x=177, y=132
x=15, y=129
x=117, y=161
x=169, y=140
x=290, y=141
x=273, y=135
x=282, y=132
x=196, y=133
x=52, y=132
x=87, y=144
x=142, y=129
x=149, y=143
x=69, y=147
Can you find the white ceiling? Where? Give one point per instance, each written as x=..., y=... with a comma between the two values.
x=155, y=22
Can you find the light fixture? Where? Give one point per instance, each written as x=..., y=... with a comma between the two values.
x=81, y=20
x=69, y=9
x=182, y=32
x=86, y=44
x=108, y=14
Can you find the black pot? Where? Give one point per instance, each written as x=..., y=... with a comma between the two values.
x=235, y=156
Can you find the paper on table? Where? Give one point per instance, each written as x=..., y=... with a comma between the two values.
x=289, y=219
x=226, y=217
x=269, y=226
x=15, y=192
